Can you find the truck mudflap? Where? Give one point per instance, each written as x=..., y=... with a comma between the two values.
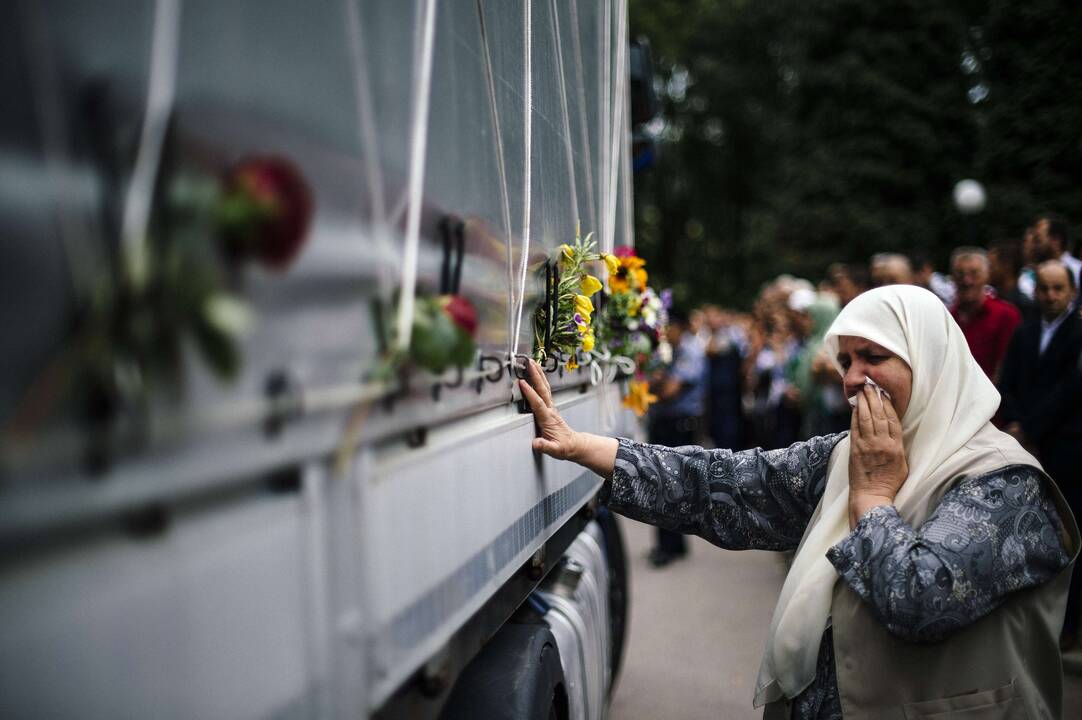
x=577, y=599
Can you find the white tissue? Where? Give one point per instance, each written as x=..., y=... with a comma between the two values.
x=874, y=384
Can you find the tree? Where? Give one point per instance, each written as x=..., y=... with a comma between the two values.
x=718, y=144
x=882, y=127
x=1031, y=88
x=795, y=134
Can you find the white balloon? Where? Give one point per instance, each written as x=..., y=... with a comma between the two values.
x=969, y=196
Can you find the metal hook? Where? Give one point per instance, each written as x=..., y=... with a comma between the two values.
x=457, y=382
x=284, y=397
x=460, y=253
x=522, y=370
x=452, y=229
x=401, y=391
x=494, y=376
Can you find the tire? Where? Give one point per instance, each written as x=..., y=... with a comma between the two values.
x=518, y=675
x=616, y=556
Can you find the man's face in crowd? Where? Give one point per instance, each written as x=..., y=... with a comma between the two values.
x=715, y=318
x=1046, y=247
x=891, y=272
x=695, y=321
x=1054, y=292
x=844, y=288
x=970, y=276
x=800, y=322
x=923, y=275
x=674, y=330
x=1030, y=251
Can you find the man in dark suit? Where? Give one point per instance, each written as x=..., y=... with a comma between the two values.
x=1041, y=385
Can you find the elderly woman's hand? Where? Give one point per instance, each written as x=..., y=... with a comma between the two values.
x=877, y=464
x=556, y=436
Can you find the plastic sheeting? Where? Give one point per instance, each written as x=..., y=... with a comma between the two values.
x=338, y=88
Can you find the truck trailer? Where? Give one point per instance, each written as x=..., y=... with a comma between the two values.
x=222, y=495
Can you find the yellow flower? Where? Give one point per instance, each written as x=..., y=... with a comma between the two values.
x=590, y=284
x=572, y=363
x=634, y=307
x=588, y=342
x=567, y=250
x=618, y=283
x=584, y=307
x=639, y=398
x=612, y=263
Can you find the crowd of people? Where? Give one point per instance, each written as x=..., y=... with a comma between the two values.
x=766, y=379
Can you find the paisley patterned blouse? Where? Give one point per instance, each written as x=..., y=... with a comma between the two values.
x=990, y=535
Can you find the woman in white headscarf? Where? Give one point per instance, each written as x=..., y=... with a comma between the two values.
x=933, y=553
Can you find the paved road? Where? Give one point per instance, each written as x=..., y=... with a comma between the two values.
x=697, y=631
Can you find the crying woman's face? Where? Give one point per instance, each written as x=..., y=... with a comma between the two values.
x=862, y=359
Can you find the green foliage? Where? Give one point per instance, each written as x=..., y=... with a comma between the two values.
x=797, y=134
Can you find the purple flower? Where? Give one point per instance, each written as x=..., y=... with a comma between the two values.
x=666, y=298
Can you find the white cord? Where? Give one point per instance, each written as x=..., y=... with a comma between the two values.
x=528, y=140
x=369, y=139
x=418, y=139
x=584, y=131
x=605, y=100
x=160, y=92
x=505, y=205
x=563, y=108
x=617, y=127
x=625, y=175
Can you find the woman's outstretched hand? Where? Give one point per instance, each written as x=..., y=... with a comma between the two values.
x=877, y=464
x=556, y=437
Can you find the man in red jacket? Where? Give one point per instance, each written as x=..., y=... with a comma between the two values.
x=986, y=321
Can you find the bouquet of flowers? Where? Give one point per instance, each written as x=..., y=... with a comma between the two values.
x=563, y=324
x=633, y=322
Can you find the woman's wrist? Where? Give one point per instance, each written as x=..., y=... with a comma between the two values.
x=861, y=503
x=594, y=452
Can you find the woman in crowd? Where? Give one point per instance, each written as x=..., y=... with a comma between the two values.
x=932, y=552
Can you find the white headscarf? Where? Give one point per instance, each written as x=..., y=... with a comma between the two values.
x=946, y=433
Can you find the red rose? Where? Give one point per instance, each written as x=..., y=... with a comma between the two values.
x=624, y=251
x=276, y=226
x=461, y=312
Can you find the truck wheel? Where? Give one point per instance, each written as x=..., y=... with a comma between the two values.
x=618, y=590
x=517, y=675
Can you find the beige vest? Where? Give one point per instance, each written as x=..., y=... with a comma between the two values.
x=1002, y=667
